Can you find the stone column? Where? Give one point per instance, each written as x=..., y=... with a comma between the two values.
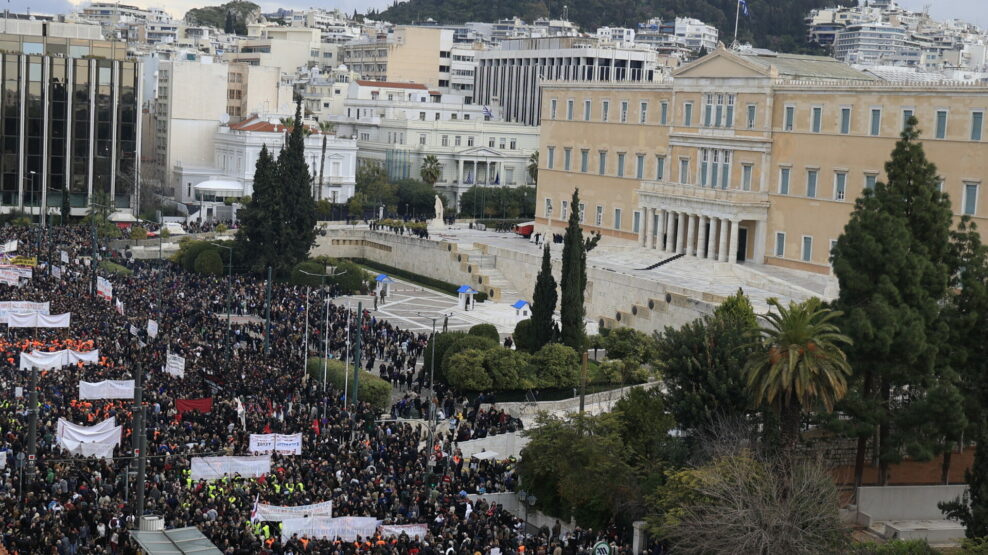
x=656, y=219
x=459, y=180
x=681, y=234
x=643, y=227
x=732, y=253
x=670, y=231
x=712, y=240
x=701, y=241
x=691, y=234
x=722, y=248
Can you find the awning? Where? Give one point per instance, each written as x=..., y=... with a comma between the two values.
x=178, y=541
x=122, y=216
x=221, y=187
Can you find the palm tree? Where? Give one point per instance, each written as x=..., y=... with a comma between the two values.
x=431, y=169
x=533, y=167
x=288, y=124
x=798, y=363
x=325, y=127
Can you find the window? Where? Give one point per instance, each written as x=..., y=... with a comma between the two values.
x=569, y=109
x=501, y=144
x=491, y=141
x=817, y=119
x=457, y=140
x=729, y=119
x=643, y=115
x=548, y=208
x=807, y=248
x=746, y=177
x=780, y=243
x=421, y=116
x=664, y=113
x=636, y=221
x=705, y=167
x=550, y=157
x=906, y=114
x=620, y=163
x=840, y=185
x=584, y=160
x=790, y=117
x=870, y=180
x=845, y=121
x=513, y=144
x=567, y=156
x=599, y=216
x=833, y=245
x=941, y=124
x=552, y=109
x=445, y=141
x=751, y=117
x=586, y=110
x=564, y=213
x=876, y=122
x=688, y=114
x=605, y=107
x=784, y=181
x=811, y=183
x=660, y=167
x=470, y=141
x=421, y=139
x=602, y=162
x=725, y=170
x=684, y=170
x=977, y=125
x=583, y=212
x=617, y=218
x=970, y=198
x=437, y=116
x=708, y=110
x=640, y=166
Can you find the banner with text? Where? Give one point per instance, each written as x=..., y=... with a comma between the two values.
x=285, y=444
x=276, y=513
x=211, y=468
x=175, y=365
x=44, y=360
x=104, y=288
x=38, y=320
x=347, y=527
x=107, y=389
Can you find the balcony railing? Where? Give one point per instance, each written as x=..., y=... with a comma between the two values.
x=709, y=194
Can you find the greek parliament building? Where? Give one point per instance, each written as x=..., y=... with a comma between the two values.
x=747, y=156
x=71, y=120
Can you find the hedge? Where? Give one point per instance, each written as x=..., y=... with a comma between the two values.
x=417, y=278
x=115, y=268
x=373, y=389
x=463, y=344
x=485, y=330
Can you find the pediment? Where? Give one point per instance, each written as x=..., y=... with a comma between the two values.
x=720, y=63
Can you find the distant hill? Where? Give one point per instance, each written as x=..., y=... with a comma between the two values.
x=240, y=12
x=775, y=24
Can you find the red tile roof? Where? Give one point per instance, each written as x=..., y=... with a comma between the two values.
x=265, y=126
x=389, y=84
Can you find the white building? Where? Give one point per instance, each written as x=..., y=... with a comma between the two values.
x=616, y=34
x=875, y=43
x=237, y=148
x=323, y=94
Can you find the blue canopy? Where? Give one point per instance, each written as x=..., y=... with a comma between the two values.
x=519, y=304
x=467, y=289
x=384, y=277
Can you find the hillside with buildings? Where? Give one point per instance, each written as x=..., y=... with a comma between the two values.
x=776, y=25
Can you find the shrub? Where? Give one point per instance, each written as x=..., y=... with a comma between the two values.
x=556, y=365
x=462, y=344
x=624, y=371
x=372, y=389
x=209, y=262
x=485, y=330
x=523, y=336
x=628, y=343
x=221, y=228
x=466, y=371
x=441, y=342
x=114, y=268
x=189, y=251
x=310, y=266
x=506, y=367
x=138, y=233
x=165, y=233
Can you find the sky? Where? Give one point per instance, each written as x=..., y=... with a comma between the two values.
x=974, y=11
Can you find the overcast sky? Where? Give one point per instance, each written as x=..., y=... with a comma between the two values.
x=975, y=11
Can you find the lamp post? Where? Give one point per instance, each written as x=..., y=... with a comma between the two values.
x=92, y=220
x=432, y=385
x=325, y=332
x=229, y=293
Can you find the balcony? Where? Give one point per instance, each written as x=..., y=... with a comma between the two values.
x=724, y=203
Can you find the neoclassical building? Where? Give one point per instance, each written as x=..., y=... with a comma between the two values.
x=747, y=156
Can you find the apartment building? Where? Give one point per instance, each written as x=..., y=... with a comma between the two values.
x=511, y=76
x=408, y=55
x=287, y=48
x=70, y=122
x=747, y=157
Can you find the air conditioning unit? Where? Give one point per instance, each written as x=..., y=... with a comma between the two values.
x=152, y=523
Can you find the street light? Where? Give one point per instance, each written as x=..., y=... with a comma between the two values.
x=229, y=292
x=325, y=332
x=432, y=385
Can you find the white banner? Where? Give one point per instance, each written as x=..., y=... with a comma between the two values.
x=89, y=434
x=119, y=307
x=38, y=320
x=347, y=527
x=44, y=360
x=108, y=389
x=104, y=288
x=56, y=271
x=103, y=426
x=285, y=444
x=9, y=247
x=175, y=365
x=210, y=468
x=102, y=450
x=11, y=275
x=65, y=257
x=410, y=530
x=152, y=328
x=276, y=513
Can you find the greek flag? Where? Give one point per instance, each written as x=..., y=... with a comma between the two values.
x=744, y=6
x=488, y=113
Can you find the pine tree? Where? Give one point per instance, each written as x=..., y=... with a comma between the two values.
x=892, y=262
x=543, y=303
x=296, y=190
x=229, y=25
x=261, y=219
x=574, y=279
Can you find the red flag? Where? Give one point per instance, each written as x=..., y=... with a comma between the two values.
x=315, y=425
x=202, y=405
x=267, y=428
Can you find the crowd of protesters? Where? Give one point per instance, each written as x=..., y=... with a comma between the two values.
x=365, y=464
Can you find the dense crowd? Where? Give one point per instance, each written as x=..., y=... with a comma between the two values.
x=367, y=465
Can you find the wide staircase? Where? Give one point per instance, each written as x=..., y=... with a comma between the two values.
x=475, y=260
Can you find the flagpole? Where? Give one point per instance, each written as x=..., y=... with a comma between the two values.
x=737, y=17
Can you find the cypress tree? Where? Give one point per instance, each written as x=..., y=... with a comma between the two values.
x=260, y=220
x=543, y=303
x=893, y=262
x=574, y=279
x=296, y=190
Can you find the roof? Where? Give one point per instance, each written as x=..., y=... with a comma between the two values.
x=391, y=85
x=261, y=125
x=220, y=186
x=799, y=66
x=175, y=542
x=384, y=278
x=466, y=289
x=521, y=303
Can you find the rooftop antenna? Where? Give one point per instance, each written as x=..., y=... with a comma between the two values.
x=565, y=12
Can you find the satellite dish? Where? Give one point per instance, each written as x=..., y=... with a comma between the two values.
x=225, y=118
